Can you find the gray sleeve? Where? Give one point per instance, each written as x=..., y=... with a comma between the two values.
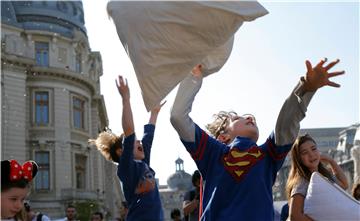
x=181, y=108
x=291, y=113
x=300, y=188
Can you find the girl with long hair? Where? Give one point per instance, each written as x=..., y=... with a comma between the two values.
x=306, y=159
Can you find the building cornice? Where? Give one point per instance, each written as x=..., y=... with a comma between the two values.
x=12, y=61
x=63, y=74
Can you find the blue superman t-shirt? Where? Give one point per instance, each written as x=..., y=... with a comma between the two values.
x=238, y=178
x=138, y=179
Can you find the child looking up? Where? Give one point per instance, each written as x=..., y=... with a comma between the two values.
x=238, y=174
x=133, y=158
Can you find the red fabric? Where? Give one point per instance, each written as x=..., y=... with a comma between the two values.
x=201, y=198
x=17, y=171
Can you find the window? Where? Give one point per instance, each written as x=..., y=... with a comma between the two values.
x=78, y=62
x=80, y=165
x=78, y=113
x=41, y=108
x=42, y=181
x=42, y=53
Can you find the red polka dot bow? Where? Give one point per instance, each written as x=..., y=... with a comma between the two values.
x=17, y=171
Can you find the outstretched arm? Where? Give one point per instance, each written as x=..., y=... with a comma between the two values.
x=127, y=117
x=155, y=112
x=336, y=170
x=295, y=106
x=127, y=170
x=149, y=130
x=185, y=96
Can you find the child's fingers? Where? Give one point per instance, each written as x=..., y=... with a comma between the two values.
x=308, y=66
x=332, y=64
x=336, y=73
x=162, y=104
x=321, y=63
x=333, y=84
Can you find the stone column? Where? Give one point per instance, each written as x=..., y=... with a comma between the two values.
x=355, y=154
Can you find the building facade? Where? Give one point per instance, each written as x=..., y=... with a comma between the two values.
x=172, y=194
x=51, y=105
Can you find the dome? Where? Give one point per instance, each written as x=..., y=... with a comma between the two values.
x=62, y=17
x=180, y=180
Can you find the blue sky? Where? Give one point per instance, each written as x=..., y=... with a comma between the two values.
x=267, y=60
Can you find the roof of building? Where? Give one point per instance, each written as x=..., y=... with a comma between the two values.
x=62, y=17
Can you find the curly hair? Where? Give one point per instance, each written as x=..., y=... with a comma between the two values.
x=221, y=122
x=107, y=143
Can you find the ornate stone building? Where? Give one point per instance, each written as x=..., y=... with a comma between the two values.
x=345, y=153
x=51, y=105
x=172, y=194
x=355, y=153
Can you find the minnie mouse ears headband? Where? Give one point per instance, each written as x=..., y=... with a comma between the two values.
x=12, y=171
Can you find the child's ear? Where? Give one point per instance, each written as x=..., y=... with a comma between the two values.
x=224, y=138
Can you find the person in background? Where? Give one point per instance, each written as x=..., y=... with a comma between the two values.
x=97, y=216
x=32, y=215
x=306, y=159
x=175, y=215
x=191, y=199
x=15, y=186
x=70, y=213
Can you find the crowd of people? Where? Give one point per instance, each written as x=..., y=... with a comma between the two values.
x=235, y=175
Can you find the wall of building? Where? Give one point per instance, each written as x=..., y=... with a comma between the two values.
x=21, y=137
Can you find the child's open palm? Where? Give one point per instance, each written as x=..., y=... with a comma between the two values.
x=318, y=76
x=123, y=87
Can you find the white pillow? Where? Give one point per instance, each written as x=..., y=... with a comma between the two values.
x=327, y=201
x=165, y=40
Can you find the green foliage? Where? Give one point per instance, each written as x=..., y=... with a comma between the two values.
x=84, y=209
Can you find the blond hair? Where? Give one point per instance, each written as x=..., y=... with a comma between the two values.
x=107, y=142
x=221, y=122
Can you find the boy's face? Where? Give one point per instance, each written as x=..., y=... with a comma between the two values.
x=244, y=126
x=138, y=151
x=70, y=213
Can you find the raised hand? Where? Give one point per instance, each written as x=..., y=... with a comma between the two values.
x=325, y=158
x=197, y=70
x=123, y=87
x=318, y=76
x=154, y=113
x=158, y=107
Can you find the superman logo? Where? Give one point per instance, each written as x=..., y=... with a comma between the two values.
x=238, y=163
x=146, y=184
